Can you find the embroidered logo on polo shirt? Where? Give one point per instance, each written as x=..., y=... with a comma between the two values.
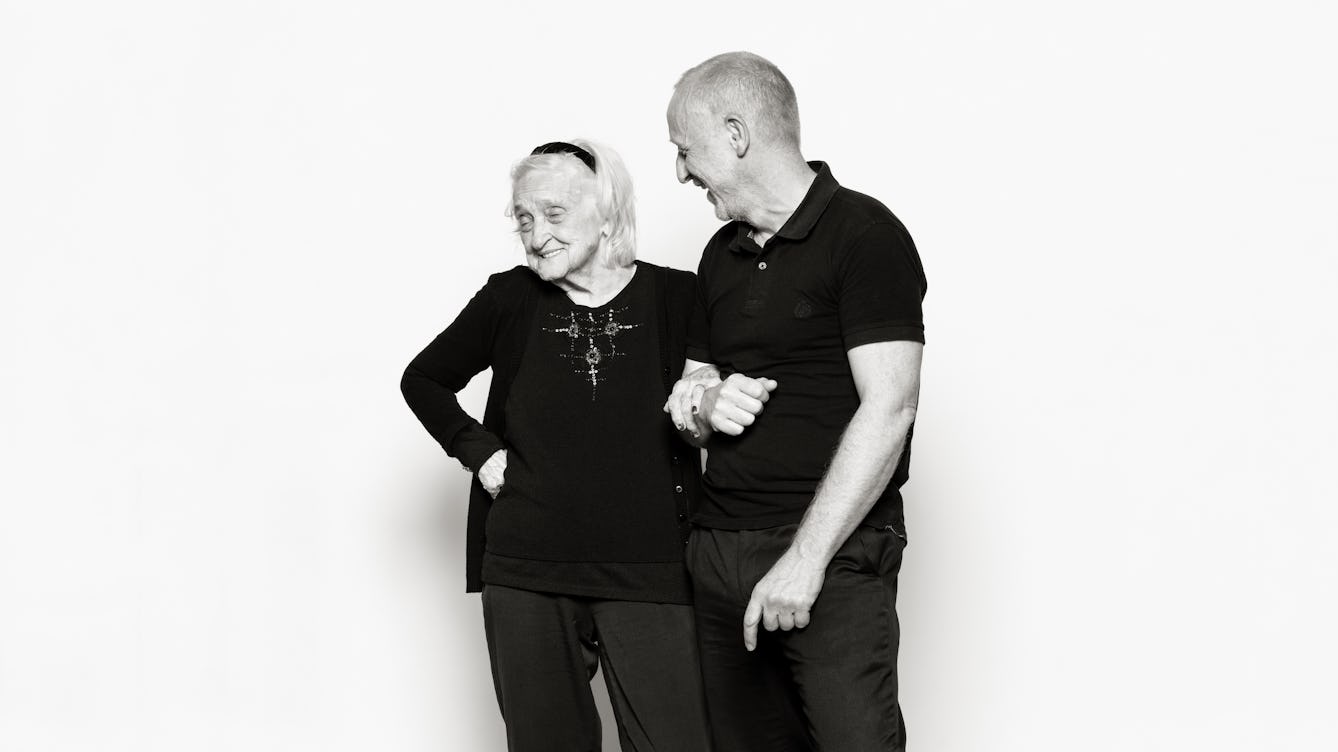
x=803, y=309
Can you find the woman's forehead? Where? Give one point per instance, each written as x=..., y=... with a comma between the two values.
x=549, y=185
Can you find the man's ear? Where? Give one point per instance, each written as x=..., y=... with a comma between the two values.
x=739, y=137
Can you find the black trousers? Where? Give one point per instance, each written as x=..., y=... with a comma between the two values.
x=545, y=649
x=831, y=686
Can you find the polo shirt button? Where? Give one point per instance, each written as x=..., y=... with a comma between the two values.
x=678, y=489
x=762, y=265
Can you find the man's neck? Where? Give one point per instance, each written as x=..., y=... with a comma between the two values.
x=777, y=194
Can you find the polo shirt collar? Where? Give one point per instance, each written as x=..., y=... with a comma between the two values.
x=801, y=222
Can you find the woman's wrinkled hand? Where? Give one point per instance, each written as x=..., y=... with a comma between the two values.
x=493, y=473
x=686, y=398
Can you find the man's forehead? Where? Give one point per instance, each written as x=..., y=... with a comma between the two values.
x=684, y=118
x=678, y=127
x=677, y=110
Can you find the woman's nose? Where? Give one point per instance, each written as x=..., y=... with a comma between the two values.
x=538, y=235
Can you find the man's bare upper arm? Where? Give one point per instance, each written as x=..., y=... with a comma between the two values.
x=887, y=374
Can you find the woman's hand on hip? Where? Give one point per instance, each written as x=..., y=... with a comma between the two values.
x=493, y=473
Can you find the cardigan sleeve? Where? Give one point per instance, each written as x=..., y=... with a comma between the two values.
x=442, y=369
x=686, y=318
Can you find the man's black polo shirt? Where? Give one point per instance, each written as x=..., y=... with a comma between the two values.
x=842, y=272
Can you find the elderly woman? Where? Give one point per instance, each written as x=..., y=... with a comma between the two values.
x=578, y=513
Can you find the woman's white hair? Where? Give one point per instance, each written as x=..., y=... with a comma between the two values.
x=613, y=192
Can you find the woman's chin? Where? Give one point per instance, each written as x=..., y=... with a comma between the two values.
x=546, y=269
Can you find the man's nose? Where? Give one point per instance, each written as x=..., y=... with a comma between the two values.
x=681, y=169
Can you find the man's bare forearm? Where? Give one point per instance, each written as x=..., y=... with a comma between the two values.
x=887, y=377
x=867, y=456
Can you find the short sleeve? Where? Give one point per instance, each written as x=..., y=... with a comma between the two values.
x=882, y=284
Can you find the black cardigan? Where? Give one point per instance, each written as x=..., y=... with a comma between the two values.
x=492, y=332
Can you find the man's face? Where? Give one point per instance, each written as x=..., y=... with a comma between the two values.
x=705, y=157
x=558, y=221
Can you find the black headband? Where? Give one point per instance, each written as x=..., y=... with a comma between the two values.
x=562, y=147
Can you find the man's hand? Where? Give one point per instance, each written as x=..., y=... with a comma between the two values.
x=493, y=473
x=784, y=597
x=733, y=404
x=686, y=398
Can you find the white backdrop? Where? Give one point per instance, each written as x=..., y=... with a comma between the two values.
x=226, y=227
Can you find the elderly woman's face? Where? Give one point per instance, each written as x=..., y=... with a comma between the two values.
x=558, y=222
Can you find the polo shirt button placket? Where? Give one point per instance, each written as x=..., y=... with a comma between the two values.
x=762, y=265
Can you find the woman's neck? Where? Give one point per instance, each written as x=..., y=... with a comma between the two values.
x=600, y=287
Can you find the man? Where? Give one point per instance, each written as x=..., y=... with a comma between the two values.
x=811, y=300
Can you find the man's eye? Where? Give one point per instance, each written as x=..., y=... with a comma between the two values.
x=524, y=225
x=555, y=216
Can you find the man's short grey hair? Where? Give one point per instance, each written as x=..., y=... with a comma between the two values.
x=613, y=192
x=745, y=84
